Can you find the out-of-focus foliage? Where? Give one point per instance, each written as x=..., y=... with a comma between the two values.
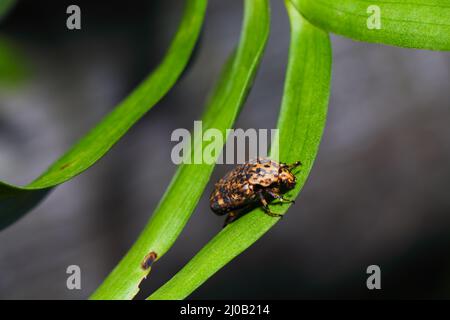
x=13, y=66
x=5, y=6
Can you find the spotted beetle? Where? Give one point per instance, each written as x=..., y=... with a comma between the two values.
x=250, y=185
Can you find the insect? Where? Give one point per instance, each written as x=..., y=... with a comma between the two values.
x=250, y=185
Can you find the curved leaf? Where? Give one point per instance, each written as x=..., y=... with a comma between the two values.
x=190, y=180
x=301, y=123
x=15, y=201
x=423, y=24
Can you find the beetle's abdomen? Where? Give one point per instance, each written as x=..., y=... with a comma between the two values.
x=231, y=193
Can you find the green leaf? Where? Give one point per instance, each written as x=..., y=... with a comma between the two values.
x=5, y=6
x=301, y=123
x=190, y=180
x=423, y=24
x=15, y=201
x=13, y=65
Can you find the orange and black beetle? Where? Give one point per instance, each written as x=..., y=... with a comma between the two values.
x=250, y=185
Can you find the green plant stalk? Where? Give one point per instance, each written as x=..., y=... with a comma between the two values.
x=301, y=123
x=422, y=24
x=190, y=180
x=15, y=201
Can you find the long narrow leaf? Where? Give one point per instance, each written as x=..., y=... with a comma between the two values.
x=300, y=124
x=15, y=201
x=423, y=24
x=190, y=180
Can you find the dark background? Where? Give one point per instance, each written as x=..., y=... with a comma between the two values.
x=378, y=193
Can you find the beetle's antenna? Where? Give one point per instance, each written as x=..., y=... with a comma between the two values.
x=294, y=165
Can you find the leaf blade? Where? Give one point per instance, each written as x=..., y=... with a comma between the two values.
x=421, y=24
x=102, y=138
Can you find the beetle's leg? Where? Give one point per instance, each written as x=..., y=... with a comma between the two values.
x=230, y=218
x=266, y=206
x=279, y=197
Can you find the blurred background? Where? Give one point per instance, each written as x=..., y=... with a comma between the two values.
x=378, y=193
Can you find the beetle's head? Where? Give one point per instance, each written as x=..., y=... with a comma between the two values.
x=286, y=179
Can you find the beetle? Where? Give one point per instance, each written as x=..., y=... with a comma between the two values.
x=252, y=184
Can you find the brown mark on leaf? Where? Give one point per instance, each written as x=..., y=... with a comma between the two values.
x=64, y=166
x=148, y=260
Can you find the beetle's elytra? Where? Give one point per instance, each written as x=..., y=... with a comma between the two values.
x=250, y=185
